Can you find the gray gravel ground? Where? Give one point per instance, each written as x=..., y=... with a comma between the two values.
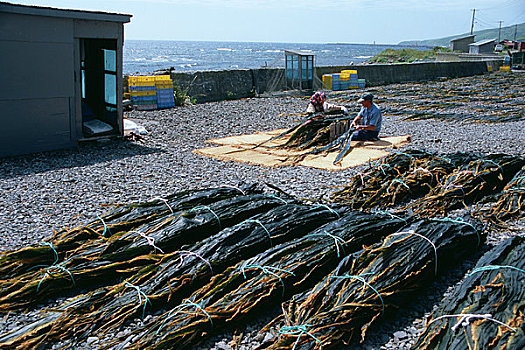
x=48, y=191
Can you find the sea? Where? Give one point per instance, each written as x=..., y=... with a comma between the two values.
x=148, y=56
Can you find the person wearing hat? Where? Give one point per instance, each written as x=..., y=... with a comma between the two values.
x=318, y=104
x=367, y=123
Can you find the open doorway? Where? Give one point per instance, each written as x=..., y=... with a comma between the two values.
x=98, y=65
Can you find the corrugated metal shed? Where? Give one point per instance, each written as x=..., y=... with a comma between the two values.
x=462, y=44
x=483, y=46
x=61, y=74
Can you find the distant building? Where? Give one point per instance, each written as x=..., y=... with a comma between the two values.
x=482, y=47
x=61, y=77
x=462, y=44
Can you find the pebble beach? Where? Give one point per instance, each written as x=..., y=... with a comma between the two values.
x=43, y=193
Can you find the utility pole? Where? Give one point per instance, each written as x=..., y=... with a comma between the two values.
x=515, y=31
x=499, y=32
x=472, y=25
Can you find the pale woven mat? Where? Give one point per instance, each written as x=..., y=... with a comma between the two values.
x=240, y=149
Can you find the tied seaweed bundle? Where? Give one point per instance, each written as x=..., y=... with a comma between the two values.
x=368, y=284
x=179, y=273
x=123, y=218
x=485, y=311
x=468, y=184
x=396, y=178
x=510, y=204
x=244, y=290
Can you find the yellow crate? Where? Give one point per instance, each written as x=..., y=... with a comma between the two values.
x=504, y=69
x=162, y=78
x=344, y=76
x=327, y=81
x=163, y=85
x=141, y=79
x=141, y=83
x=349, y=71
x=143, y=93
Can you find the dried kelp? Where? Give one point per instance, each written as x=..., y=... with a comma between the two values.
x=178, y=274
x=468, y=184
x=396, y=178
x=485, y=311
x=368, y=284
x=123, y=218
x=123, y=255
x=263, y=281
x=509, y=205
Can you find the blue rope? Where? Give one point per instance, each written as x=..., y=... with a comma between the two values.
x=337, y=240
x=298, y=331
x=140, y=294
x=490, y=161
x=396, y=180
x=261, y=224
x=106, y=228
x=494, y=267
x=211, y=211
x=49, y=272
x=185, y=304
x=265, y=269
x=459, y=221
x=327, y=207
x=359, y=278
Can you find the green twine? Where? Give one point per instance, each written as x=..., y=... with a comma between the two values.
x=383, y=212
x=49, y=272
x=459, y=221
x=53, y=249
x=298, y=330
x=337, y=240
x=266, y=269
x=261, y=224
x=365, y=283
x=490, y=161
x=330, y=209
x=140, y=294
x=185, y=304
x=106, y=228
x=494, y=267
x=199, y=207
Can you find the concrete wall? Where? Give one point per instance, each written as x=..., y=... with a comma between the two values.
x=206, y=86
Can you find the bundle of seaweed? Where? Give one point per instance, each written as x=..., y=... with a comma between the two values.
x=469, y=184
x=123, y=218
x=174, y=277
x=486, y=310
x=371, y=283
x=122, y=255
x=509, y=205
x=259, y=283
x=396, y=178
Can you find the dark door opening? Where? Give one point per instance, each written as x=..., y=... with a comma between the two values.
x=98, y=65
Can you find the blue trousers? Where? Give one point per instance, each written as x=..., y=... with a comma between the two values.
x=365, y=135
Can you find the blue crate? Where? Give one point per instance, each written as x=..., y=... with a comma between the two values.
x=141, y=88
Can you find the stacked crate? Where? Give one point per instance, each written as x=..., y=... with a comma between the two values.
x=346, y=79
x=164, y=87
x=143, y=92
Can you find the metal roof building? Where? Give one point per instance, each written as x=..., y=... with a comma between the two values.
x=462, y=44
x=61, y=77
x=484, y=46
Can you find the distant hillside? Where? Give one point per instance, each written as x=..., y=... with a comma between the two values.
x=506, y=33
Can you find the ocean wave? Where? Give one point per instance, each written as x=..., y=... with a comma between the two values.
x=365, y=57
x=224, y=49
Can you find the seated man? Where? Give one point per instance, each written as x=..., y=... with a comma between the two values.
x=371, y=118
x=318, y=104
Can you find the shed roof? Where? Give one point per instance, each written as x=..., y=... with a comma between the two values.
x=64, y=13
x=483, y=42
x=297, y=52
x=463, y=38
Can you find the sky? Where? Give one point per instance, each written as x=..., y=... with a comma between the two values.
x=301, y=21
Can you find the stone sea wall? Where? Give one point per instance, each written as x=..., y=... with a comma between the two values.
x=206, y=86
